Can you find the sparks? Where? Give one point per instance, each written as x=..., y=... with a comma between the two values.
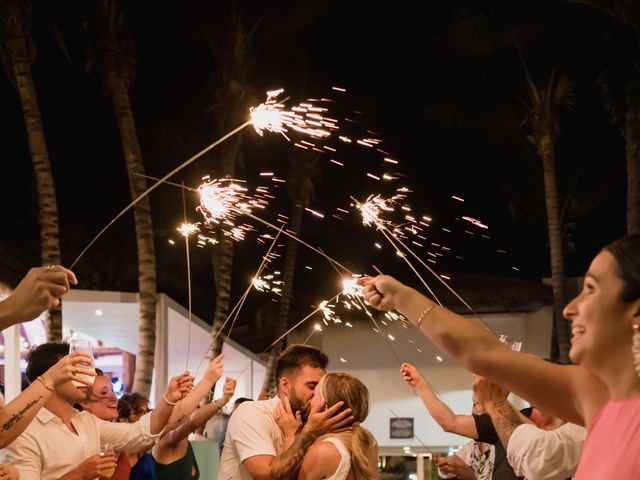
x=187, y=229
x=304, y=118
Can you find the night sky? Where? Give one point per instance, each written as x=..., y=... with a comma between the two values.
x=440, y=85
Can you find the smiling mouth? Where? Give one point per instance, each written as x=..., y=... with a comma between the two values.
x=577, y=331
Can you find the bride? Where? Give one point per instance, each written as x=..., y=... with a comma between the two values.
x=349, y=454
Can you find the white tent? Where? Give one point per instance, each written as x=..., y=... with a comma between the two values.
x=112, y=318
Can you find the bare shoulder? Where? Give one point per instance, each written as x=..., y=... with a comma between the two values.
x=322, y=460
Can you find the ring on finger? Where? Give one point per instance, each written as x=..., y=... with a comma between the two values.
x=48, y=267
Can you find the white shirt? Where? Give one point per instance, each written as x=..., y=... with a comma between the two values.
x=252, y=431
x=546, y=454
x=47, y=449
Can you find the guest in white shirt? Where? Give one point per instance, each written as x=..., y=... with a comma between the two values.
x=64, y=444
x=550, y=449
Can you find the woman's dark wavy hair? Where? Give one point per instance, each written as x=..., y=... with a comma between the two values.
x=626, y=251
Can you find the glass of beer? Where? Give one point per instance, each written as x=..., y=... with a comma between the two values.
x=107, y=472
x=79, y=345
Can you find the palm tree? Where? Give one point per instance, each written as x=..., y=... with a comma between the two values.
x=233, y=50
x=619, y=81
x=18, y=55
x=300, y=188
x=543, y=123
x=111, y=56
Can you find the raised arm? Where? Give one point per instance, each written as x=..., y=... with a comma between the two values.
x=177, y=389
x=568, y=392
x=198, y=417
x=504, y=416
x=39, y=290
x=19, y=412
x=450, y=422
x=287, y=463
x=190, y=402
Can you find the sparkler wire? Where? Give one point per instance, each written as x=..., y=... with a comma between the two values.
x=155, y=185
x=446, y=285
x=301, y=322
x=415, y=436
x=186, y=246
x=238, y=305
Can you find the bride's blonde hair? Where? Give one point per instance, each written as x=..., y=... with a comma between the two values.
x=355, y=395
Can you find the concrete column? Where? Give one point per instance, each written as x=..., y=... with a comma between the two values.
x=160, y=362
x=12, y=375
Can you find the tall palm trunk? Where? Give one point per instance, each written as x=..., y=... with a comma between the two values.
x=222, y=257
x=284, y=304
x=632, y=142
x=144, y=235
x=16, y=17
x=561, y=327
x=543, y=119
x=300, y=187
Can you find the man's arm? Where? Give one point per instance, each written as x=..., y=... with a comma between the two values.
x=287, y=463
x=176, y=390
x=450, y=422
x=504, y=416
x=20, y=412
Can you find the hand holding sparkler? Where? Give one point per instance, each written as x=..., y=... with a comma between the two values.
x=39, y=290
x=383, y=292
x=412, y=376
x=178, y=387
x=215, y=369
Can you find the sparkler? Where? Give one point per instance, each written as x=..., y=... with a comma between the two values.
x=372, y=209
x=186, y=229
x=238, y=306
x=270, y=115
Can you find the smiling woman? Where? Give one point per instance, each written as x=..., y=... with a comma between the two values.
x=602, y=392
x=101, y=400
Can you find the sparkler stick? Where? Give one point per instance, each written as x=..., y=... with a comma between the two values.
x=377, y=327
x=186, y=246
x=414, y=435
x=269, y=116
x=388, y=236
x=155, y=185
x=268, y=224
x=316, y=328
x=319, y=308
x=238, y=305
x=373, y=218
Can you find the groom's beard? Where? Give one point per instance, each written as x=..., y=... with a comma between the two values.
x=297, y=405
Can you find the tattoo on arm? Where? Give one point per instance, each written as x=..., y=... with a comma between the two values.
x=16, y=417
x=288, y=462
x=505, y=420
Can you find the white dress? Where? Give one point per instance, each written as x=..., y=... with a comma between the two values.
x=342, y=471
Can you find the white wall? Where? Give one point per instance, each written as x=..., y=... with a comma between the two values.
x=376, y=361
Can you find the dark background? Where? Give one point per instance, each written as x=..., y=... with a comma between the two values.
x=440, y=83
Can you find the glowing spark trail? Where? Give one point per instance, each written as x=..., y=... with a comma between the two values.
x=269, y=116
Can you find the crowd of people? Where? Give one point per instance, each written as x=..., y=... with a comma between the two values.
x=584, y=419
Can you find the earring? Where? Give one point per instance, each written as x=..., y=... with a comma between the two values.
x=635, y=348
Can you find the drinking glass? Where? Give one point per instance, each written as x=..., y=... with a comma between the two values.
x=106, y=472
x=511, y=342
x=79, y=345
